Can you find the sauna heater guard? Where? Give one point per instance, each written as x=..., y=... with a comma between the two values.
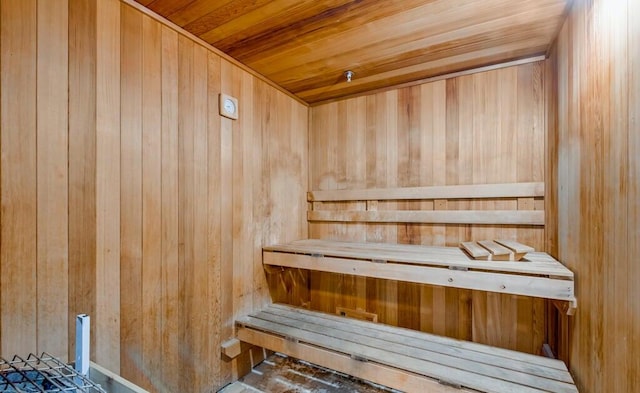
x=42, y=374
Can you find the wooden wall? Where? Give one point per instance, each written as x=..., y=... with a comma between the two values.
x=481, y=128
x=594, y=139
x=126, y=196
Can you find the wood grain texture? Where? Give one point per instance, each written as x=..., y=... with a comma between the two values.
x=151, y=286
x=594, y=145
x=149, y=167
x=82, y=165
x=169, y=211
x=443, y=133
x=18, y=283
x=52, y=163
x=306, y=46
x=108, y=131
x=131, y=192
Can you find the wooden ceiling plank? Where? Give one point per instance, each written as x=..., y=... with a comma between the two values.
x=165, y=7
x=372, y=58
x=385, y=34
x=195, y=10
x=224, y=15
x=296, y=82
x=440, y=17
x=304, y=46
x=294, y=26
x=256, y=16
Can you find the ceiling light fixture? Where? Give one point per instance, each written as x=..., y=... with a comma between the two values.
x=349, y=75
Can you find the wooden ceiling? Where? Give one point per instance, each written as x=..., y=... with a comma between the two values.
x=306, y=45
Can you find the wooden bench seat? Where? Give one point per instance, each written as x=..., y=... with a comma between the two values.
x=539, y=275
x=400, y=358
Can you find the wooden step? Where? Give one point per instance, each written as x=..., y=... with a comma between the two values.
x=405, y=359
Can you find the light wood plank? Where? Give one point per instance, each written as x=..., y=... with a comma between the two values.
x=18, y=297
x=470, y=191
x=131, y=203
x=461, y=344
x=498, y=252
x=519, y=250
x=443, y=350
x=478, y=217
x=475, y=251
x=516, y=247
x=539, y=263
x=377, y=373
x=226, y=221
x=306, y=332
x=492, y=282
x=151, y=203
x=199, y=299
x=52, y=168
x=186, y=208
x=634, y=177
x=215, y=195
x=107, y=323
x=170, y=209
x=82, y=163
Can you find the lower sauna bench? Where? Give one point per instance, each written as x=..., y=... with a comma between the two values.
x=400, y=358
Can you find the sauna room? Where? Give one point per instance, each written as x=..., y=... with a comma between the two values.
x=320, y=196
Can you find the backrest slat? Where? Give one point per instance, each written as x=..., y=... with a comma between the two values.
x=467, y=191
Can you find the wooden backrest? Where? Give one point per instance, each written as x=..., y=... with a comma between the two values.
x=525, y=212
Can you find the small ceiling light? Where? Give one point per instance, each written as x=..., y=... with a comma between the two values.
x=349, y=75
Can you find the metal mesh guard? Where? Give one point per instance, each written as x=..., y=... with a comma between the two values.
x=42, y=373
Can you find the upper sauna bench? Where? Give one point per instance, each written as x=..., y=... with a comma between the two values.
x=506, y=204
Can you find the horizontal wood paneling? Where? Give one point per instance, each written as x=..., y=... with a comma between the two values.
x=168, y=205
x=306, y=46
x=483, y=128
x=595, y=174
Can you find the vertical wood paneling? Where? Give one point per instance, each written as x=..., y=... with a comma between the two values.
x=131, y=207
x=52, y=158
x=633, y=223
x=594, y=158
x=107, y=321
x=151, y=323
x=170, y=211
x=215, y=291
x=18, y=183
x=471, y=129
x=200, y=330
x=226, y=221
x=110, y=128
x=82, y=164
x=186, y=215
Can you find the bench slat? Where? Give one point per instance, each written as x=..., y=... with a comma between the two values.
x=453, y=343
x=475, y=251
x=479, y=217
x=467, y=191
x=378, y=373
x=477, y=280
x=403, y=356
x=537, y=263
x=429, y=350
x=498, y=252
